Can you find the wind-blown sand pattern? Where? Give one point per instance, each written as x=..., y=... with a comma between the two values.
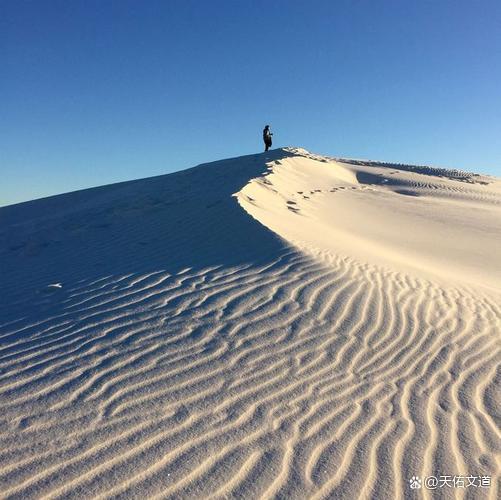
x=281, y=325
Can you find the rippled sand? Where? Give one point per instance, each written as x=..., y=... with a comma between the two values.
x=281, y=325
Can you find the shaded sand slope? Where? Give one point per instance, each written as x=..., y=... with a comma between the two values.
x=168, y=223
x=184, y=350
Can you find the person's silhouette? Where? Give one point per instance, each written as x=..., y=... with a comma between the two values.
x=267, y=133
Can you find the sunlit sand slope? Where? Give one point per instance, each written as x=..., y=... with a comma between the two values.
x=271, y=326
x=426, y=221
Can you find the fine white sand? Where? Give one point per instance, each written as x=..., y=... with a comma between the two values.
x=280, y=325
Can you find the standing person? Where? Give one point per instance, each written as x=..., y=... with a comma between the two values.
x=267, y=133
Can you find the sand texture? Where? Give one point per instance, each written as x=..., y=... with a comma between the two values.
x=280, y=325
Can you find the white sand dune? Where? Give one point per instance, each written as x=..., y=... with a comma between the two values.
x=280, y=325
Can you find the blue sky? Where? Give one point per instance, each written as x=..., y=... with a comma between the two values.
x=95, y=92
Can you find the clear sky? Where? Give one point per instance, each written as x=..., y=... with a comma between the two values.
x=94, y=91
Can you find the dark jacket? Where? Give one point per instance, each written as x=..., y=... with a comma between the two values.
x=267, y=135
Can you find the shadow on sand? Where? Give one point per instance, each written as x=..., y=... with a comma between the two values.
x=187, y=219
